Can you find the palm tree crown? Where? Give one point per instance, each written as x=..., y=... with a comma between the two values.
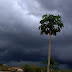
x=50, y=23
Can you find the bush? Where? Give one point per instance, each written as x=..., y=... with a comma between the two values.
x=36, y=68
x=27, y=68
x=45, y=69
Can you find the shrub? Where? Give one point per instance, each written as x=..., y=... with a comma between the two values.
x=27, y=68
x=36, y=68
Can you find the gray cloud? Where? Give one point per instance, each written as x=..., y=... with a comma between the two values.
x=20, y=38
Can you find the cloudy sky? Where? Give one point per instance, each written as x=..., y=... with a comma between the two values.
x=20, y=39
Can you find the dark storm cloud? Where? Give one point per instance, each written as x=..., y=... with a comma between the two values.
x=22, y=47
x=19, y=36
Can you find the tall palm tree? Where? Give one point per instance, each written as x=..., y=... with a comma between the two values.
x=50, y=24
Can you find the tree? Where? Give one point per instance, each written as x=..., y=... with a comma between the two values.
x=27, y=68
x=53, y=65
x=50, y=24
x=35, y=68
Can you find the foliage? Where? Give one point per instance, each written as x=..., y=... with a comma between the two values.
x=53, y=65
x=27, y=68
x=15, y=71
x=36, y=68
x=45, y=69
x=1, y=65
x=50, y=23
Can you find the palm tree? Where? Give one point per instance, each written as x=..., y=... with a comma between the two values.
x=50, y=24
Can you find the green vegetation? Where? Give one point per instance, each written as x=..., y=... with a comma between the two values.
x=27, y=68
x=50, y=24
x=66, y=70
x=35, y=68
x=53, y=65
x=3, y=67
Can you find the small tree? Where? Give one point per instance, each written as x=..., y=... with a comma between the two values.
x=50, y=24
x=27, y=68
x=53, y=65
x=36, y=68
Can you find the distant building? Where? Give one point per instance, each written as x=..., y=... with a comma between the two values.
x=9, y=69
x=18, y=69
x=4, y=64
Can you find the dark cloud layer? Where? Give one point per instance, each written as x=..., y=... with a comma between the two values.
x=20, y=39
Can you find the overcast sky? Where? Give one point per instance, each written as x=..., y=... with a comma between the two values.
x=20, y=39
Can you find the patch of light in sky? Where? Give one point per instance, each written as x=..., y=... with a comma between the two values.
x=23, y=8
x=20, y=8
x=37, y=4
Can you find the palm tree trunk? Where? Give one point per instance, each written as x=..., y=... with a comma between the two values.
x=48, y=68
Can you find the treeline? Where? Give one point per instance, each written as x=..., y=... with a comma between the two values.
x=34, y=68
